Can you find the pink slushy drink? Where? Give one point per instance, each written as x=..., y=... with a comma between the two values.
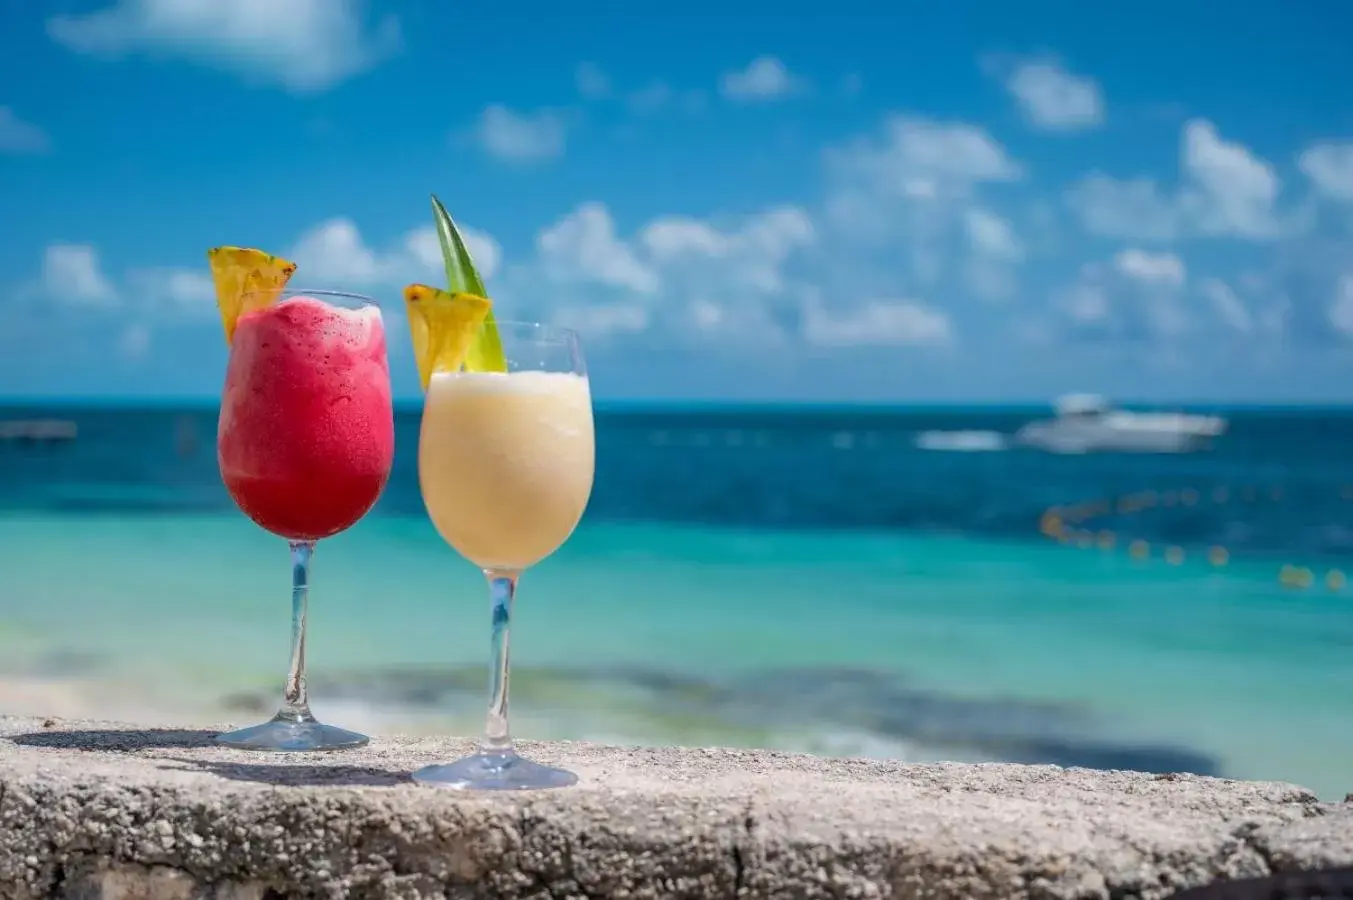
x=306, y=434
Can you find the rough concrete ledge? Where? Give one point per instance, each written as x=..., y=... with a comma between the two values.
x=92, y=810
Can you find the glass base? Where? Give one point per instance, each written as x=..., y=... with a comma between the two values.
x=285, y=735
x=494, y=772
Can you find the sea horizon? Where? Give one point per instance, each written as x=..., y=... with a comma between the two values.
x=413, y=403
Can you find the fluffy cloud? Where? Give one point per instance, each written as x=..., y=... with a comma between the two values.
x=1054, y=99
x=683, y=277
x=1161, y=269
x=1329, y=165
x=18, y=136
x=922, y=159
x=1132, y=208
x=302, y=45
x=900, y=323
x=914, y=194
x=765, y=78
x=1341, y=308
x=520, y=137
x=1227, y=307
x=187, y=291
x=991, y=235
x=71, y=275
x=1225, y=191
x=583, y=247
x=333, y=253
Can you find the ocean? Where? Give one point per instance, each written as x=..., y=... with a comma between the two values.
x=878, y=582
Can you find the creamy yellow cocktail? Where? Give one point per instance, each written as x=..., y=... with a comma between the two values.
x=505, y=462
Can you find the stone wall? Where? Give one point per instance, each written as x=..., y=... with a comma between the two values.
x=91, y=810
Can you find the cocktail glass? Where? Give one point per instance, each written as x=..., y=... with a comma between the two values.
x=305, y=443
x=505, y=463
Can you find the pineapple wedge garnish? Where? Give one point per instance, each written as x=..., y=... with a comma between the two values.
x=246, y=279
x=444, y=326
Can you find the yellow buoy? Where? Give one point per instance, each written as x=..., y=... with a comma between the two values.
x=1295, y=576
x=1334, y=580
x=1139, y=549
x=1174, y=555
x=1218, y=556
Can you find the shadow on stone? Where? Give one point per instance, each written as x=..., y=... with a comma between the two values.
x=287, y=775
x=114, y=741
x=1325, y=884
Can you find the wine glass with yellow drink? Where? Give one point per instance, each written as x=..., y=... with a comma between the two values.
x=505, y=463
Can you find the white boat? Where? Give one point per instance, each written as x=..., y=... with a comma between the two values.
x=1087, y=422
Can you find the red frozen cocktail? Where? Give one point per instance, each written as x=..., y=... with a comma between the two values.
x=306, y=434
x=305, y=440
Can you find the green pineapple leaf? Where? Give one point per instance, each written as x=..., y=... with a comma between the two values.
x=486, y=354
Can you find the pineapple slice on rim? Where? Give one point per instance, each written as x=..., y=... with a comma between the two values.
x=444, y=326
x=246, y=279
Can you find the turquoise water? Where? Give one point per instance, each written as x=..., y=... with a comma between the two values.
x=883, y=601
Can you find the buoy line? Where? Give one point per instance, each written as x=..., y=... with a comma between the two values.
x=1072, y=525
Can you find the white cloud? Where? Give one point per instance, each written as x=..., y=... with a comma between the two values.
x=991, y=235
x=990, y=273
x=1329, y=165
x=303, y=45
x=171, y=289
x=583, y=247
x=133, y=343
x=902, y=323
x=520, y=137
x=749, y=256
x=592, y=82
x=1226, y=191
x=1054, y=99
x=1136, y=296
x=1228, y=307
x=1341, y=309
x=683, y=276
x=600, y=320
x=924, y=159
x=1162, y=269
x=18, y=136
x=765, y=78
x=912, y=192
x=1129, y=208
x=71, y=274
x=1232, y=191
x=1085, y=303
x=423, y=245
x=333, y=254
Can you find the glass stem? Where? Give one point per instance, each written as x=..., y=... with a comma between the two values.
x=295, y=699
x=497, y=739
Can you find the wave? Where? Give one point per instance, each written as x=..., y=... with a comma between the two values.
x=963, y=441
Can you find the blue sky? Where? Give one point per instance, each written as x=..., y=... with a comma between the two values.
x=853, y=201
